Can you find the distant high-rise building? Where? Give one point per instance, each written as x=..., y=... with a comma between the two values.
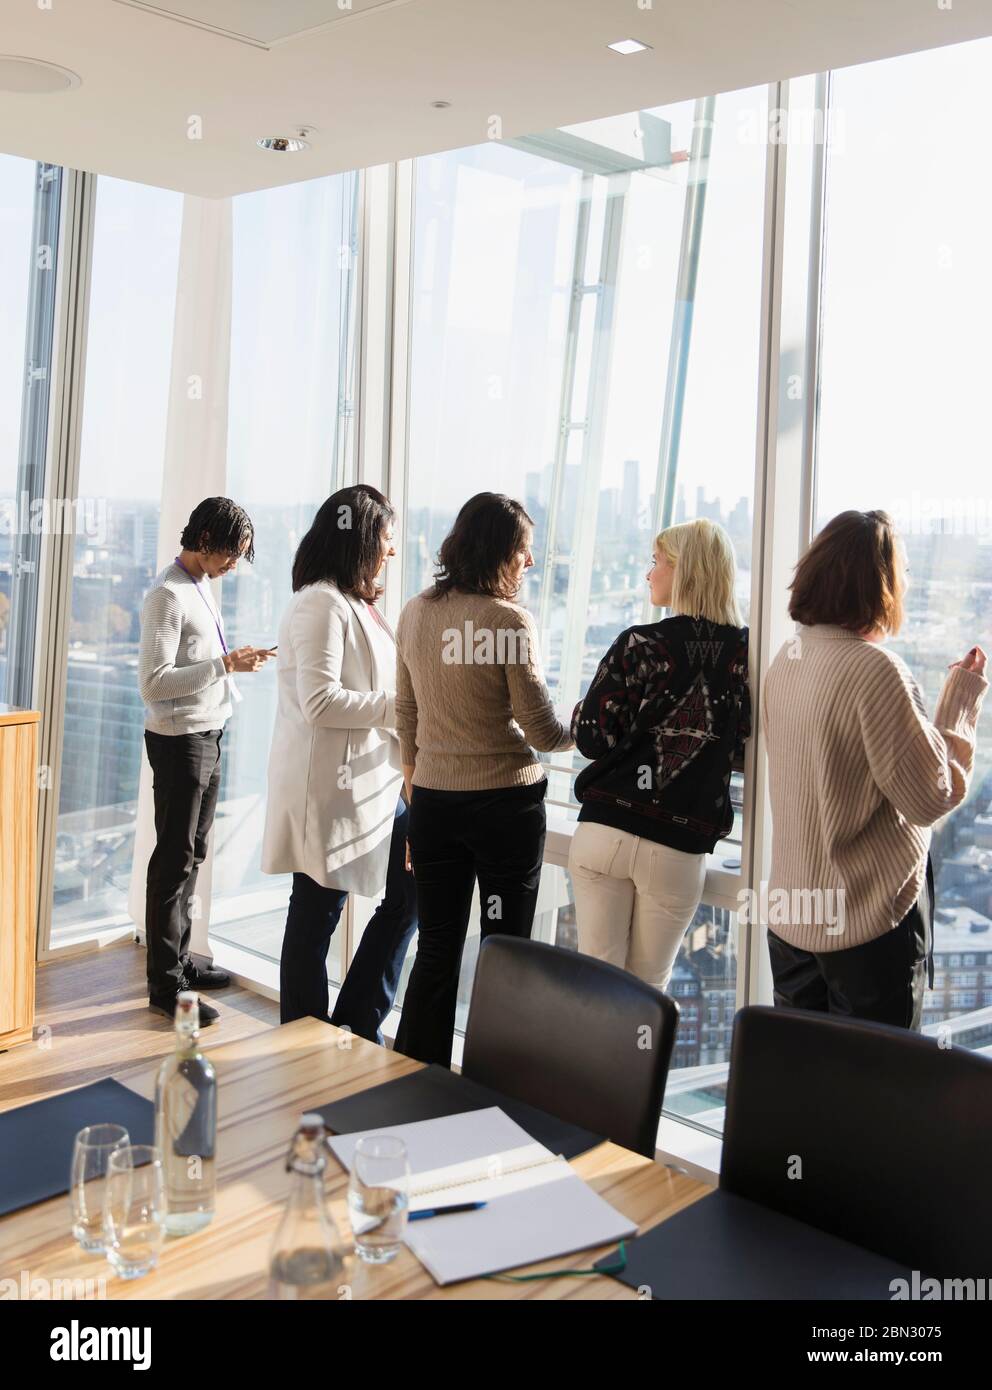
x=608, y=518
x=630, y=496
x=739, y=521
x=711, y=510
x=568, y=506
x=144, y=526
x=533, y=491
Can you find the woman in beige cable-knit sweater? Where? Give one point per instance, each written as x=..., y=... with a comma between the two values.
x=471, y=708
x=858, y=774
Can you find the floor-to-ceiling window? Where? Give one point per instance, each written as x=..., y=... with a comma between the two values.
x=288, y=416
x=905, y=418
x=586, y=307
x=585, y=329
x=291, y=436
x=16, y=209
x=136, y=239
x=29, y=222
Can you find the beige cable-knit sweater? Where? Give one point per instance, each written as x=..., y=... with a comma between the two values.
x=857, y=775
x=471, y=702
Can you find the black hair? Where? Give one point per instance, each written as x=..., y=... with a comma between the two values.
x=475, y=555
x=219, y=524
x=344, y=543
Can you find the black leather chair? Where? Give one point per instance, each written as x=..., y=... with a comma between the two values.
x=892, y=1131
x=575, y=1037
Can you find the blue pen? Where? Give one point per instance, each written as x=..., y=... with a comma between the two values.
x=445, y=1211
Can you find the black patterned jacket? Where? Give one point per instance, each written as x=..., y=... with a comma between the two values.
x=664, y=721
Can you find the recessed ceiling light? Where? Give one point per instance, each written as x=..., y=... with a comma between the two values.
x=628, y=46
x=440, y=105
x=287, y=144
x=32, y=77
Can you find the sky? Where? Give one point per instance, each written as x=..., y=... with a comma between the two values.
x=905, y=401
x=905, y=398
x=16, y=199
x=496, y=232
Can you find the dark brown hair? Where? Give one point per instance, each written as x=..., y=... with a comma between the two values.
x=344, y=543
x=851, y=576
x=475, y=555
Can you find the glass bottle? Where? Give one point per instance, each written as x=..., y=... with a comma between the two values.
x=186, y=1124
x=307, y=1256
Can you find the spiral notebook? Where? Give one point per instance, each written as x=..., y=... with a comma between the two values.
x=537, y=1207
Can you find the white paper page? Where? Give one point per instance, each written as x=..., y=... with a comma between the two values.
x=480, y=1180
x=539, y=1208
x=450, y=1140
x=521, y=1229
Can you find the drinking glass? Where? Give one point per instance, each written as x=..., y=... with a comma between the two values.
x=88, y=1179
x=379, y=1196
x=134, y=1210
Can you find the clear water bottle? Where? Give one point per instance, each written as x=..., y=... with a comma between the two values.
x=186, y=1125
x=307, y=1260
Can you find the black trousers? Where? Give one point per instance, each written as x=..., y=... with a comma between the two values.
x=496, y=837
x=185, y=784
x=883, y=980
x=369, y=988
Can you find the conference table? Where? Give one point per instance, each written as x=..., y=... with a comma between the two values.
x=264, y=1083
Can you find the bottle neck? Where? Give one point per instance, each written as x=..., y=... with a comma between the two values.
x=187, y=1039
x=306, y=1192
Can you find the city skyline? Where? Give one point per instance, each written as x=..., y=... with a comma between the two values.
x=104, y=718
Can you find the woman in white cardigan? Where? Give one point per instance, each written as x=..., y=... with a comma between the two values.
x=336, y=818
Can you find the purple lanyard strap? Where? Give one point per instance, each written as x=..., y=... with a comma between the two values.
x=210, y=608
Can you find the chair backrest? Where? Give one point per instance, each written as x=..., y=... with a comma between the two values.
x=876, y=1134
x=576, y=1037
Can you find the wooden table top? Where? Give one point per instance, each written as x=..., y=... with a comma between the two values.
x=264, y=1084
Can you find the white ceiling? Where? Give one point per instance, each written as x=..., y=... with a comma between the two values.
x=365, y=76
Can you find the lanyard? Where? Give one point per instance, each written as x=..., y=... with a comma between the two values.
x=210, y=608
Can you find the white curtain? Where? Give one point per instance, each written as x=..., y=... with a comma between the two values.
x=195, y=463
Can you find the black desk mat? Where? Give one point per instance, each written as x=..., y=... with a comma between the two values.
x=726, y=1247
x=435, y=1091
x=36, y=1140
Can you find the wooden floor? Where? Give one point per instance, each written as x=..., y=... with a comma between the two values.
x=92, y=1019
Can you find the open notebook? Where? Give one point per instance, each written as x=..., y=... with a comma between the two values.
x=538, y=1207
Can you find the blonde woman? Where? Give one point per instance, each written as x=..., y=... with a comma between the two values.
x=664, y=721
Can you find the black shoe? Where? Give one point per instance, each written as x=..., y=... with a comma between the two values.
x=204, y=977
x=167, y=1007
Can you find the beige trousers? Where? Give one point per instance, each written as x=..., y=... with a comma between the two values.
x=634, y=899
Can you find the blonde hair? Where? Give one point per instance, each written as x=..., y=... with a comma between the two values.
x=705, y=571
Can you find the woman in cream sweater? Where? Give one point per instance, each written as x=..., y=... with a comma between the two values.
x=858, y=774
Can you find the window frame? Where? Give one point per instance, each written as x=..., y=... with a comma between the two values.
x=75, y=264
x=783, y=464
x=385, y=248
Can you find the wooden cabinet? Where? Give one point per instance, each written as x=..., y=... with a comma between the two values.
x=18, y=879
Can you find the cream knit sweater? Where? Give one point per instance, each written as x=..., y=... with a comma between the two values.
x=857, y=775
x=471, y=702
x=181, y=673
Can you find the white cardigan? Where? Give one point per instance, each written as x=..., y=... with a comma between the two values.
x=334, y=768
